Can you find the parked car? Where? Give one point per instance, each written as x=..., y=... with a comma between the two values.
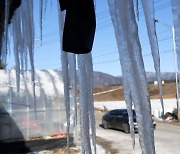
x=118, y=119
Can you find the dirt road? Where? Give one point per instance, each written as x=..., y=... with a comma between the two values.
x=167, y=139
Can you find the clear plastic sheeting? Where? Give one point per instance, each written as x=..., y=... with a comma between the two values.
x=17, y=117
x=126, y=31
x=148, y=7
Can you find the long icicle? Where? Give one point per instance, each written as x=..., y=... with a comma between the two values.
x=72, y=67
x=84, y=113
x=64, y=61
x=124, y=64
x=138, y=80
x=30, y=44
x=40, y=18
x=148, y=7
x=137, y=9
x=16, y=40
x=90, y=82
x=176, y=33
x=7, y=4
x=128, y=34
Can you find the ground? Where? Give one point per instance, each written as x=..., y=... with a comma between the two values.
x=167, y=138
x=169, y=91
x=167, y=135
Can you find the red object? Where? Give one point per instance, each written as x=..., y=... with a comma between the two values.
x=33, y=123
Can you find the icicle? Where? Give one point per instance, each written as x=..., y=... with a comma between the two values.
x=90, y=82
x=30, y=33
x=23, y=39
x=72, y=67
x=148, y=8
x=31, y=40
x=176, y=16
x=64, y=61
x=137, y=9
x=25, y=30
x=45, y=7
x=16, y=40
x=40, y=17
x=130, y=54
x=3, y=32
x=125, y=72
x=61, y=17
x=6, y=28
x=176, y=36
x=84, y=113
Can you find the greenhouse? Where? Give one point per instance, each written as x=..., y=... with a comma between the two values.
x=23, y=116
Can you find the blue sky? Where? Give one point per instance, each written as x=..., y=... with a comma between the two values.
x=105, y=52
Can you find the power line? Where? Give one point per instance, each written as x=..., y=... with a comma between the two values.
x=116, y=60
x=106, y=12
x=157, y=8
x=164, y=39
x=105, y=54
x=107, y=24
x=145, y=44
x=103, y=62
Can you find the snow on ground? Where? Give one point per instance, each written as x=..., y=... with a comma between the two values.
x=169, y=105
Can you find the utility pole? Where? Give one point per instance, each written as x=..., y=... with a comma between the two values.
x=175, y=66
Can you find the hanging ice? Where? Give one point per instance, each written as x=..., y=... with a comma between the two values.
x=148, y=7
x=123, y=18
x=125, y=72
x=45, y=7
x=90, y=83
x=7, y=3
x=40, y=17
x=84, y=105
x=4, y=19
x=176, y=15
x=23, y=36
x=17, y=38
x=135, y=86
x=65, y=73
x=137, y=9
x=64, y=61
x=72, y=68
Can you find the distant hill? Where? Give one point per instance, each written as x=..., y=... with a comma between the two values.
x=100, y=79
x=103, y=79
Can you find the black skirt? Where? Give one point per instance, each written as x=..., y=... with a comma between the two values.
x=80, y=25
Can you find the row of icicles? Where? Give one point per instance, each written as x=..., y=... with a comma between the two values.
x=130, y=55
